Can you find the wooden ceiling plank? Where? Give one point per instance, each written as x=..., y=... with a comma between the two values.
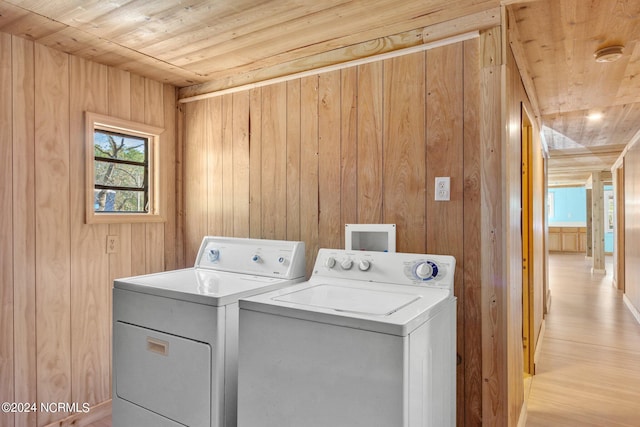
x=214, y=72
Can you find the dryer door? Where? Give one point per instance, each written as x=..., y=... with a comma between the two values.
x=163, y=373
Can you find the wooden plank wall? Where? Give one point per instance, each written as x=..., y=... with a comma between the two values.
x=56, y=277
x=299, y=159
x=631, y=228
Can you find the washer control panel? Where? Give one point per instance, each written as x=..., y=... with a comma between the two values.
x=271, y=258
x=387, y=267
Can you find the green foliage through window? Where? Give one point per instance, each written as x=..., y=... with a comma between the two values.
x=121, y=172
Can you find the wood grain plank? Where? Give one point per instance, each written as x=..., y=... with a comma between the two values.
x=195, y=167
x=6, y=229
x=632, y=232
x=24, y=234
x=513, y=311
x=469, y=379
x=255, y=163
x=274, y=152
x=445, y=125
x=494, y=334
x=90, y=287
x=348, y=148
x=293, y=159
x=53, y=246
x=154, y=232
x=170, y=188
x=309, y=174
x=215, y=167
x=370, y=119
x=241, y=164
x=138, y=231
x=330, y=226
x=227, y=166
x=403, y=170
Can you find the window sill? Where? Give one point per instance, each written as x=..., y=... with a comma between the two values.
x=124, y=218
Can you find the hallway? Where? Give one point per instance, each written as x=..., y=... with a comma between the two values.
x=588, y=370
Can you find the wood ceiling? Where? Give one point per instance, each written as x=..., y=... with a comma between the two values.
x=558, y=39
x=205, y=45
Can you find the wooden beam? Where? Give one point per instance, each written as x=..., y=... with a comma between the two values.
x=201, y=92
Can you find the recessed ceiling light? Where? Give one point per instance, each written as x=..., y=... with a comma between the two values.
x=608, y=54
x=594, y=116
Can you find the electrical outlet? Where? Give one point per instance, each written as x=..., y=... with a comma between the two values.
x=443, y=188
x=113, y=244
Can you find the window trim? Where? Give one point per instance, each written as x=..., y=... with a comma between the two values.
x=95, y=121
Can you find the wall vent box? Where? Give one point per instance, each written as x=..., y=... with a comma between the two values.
x=370, y=237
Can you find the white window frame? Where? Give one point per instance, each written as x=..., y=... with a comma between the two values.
x=95, y=121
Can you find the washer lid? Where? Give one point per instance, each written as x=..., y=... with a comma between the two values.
x=201, y=286
x=377, y=307
x=350, y=300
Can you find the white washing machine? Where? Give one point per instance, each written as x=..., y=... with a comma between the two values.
x=368, y=341
x=175, y=334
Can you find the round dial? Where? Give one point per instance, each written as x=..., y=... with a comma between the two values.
x=330, y=262
x=426, y=270
x=364, y=265
x=347, y=264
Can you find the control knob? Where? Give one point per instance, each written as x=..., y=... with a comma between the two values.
x=426, y=270
x=364, y=265
x=256, y=258
x=330, y=262
x=347, y=264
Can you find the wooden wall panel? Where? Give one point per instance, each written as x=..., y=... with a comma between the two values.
x=53, y=243
x=214, y=168
x=255, y=162
x=445, y=155
x=169, y=184
x=512, y=310
x=369, y=176
x=493, y=248
x=363, y=145
x=24, y=225
x=240, y=174
x=154, y=232
x=632, y=225
x=330, y=227
x=90, y=286
x=6, y=220
x=138, y=231
x=274, y=161
x=61, y=352
x=227, y=167
x=469, y=380
x=403, y=166
x=293, y=160
x=309, y=168
x=349, y=148
x=195, y=208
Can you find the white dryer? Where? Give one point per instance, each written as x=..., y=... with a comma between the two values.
x=175, y=334
x=368, y=341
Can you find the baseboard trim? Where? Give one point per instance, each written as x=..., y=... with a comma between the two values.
x=82, y=419
x=631, y=308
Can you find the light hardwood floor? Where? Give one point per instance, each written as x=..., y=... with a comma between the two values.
x=588, y=370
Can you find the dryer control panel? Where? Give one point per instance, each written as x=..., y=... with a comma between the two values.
x=262, y=257
x=387, y=267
